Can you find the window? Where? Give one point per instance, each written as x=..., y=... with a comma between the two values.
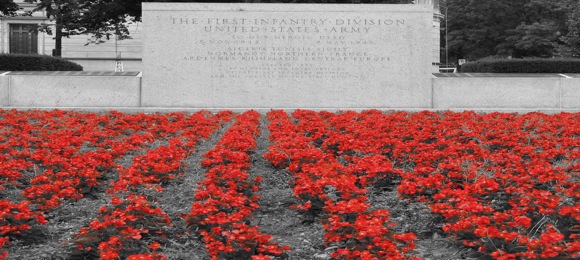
x=22, y=39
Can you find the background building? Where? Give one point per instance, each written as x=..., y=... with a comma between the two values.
x=15, y=37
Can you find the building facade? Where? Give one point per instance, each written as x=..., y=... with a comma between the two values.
x=16, y=37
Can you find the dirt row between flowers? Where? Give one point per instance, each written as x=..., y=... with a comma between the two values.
x=176, y=200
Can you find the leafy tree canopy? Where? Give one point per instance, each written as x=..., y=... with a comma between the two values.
x=7, y=7
x=518, y=28
x=571, y=46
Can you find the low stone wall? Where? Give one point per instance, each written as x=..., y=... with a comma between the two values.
x=504, y=91
x=496, y=93
x=570, y=93
x=122, y=91
x=70, y=89
x=4, y=90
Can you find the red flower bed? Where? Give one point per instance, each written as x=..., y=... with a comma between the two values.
x=505, y=186
x=226, y=197
x=118, y=231
x=82, y=146
x=358, y=232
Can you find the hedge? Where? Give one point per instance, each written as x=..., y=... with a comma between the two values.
x=27, y=62
x=523, y=66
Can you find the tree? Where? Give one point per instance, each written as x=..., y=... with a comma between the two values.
x=571, y=41
x=66, y=15
x=539, y=34
x=518, y=28
x=8, y=7
x=476, y=28
x=536, y=40
x=101, y=18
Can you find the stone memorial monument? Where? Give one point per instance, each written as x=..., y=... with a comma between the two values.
x=216, y=55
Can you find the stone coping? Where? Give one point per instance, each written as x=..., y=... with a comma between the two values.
x=74, y=73
x=502, y=75
x=290, y=109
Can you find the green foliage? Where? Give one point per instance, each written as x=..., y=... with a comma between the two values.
x=518, y=28
x=7, y=7
x=66, y=13
x=571, y=48
x=537, y=40
x=25, y=62
x=475, y=28
x=523, y=66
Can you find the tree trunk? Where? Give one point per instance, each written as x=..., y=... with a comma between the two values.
x=56, y=52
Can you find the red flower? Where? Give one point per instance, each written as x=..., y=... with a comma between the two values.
x=154, y=246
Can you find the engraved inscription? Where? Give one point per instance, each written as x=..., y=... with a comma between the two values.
x=310, y=48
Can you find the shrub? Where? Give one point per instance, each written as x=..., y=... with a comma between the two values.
x=523, y=66
x=26, y=62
